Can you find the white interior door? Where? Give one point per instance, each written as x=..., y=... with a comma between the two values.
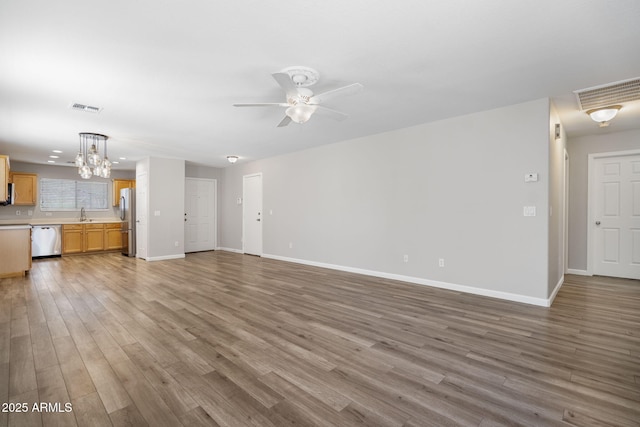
x=200, y=215
x=142, y=209
x=252, y=214
x=616, y=216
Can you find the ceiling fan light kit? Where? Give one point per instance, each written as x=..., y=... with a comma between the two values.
x=301, y=103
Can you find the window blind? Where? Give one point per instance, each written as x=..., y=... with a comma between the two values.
x=70, y=195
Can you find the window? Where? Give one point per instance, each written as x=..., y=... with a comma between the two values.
x=70, y=195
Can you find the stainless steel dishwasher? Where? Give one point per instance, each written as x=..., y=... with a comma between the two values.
x=46, y=240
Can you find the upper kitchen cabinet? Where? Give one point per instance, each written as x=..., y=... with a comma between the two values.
x=4, y=178
x=119, y=184
x=25, y=187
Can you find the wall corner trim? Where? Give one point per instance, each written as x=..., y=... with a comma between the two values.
x=556, y=290
x=420, y=281
x=578, y=272
x=236, y=251
x=165, y=257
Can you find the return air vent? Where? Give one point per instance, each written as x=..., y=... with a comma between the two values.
x=87, y=108
x=609, y=94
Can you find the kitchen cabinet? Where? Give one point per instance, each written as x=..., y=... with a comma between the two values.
x=15, y=250
x=119, y=184
x=4, y=178
x=91, y=237
x=112, y=237
x=72, y=238
x=25, y=186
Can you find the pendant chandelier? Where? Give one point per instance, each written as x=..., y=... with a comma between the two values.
x=88, y=160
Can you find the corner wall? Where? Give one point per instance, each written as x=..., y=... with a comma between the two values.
x=166, y=208
x=451, y=190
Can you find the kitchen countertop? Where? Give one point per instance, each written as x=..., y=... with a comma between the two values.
x=14, y=227
x=56, y=221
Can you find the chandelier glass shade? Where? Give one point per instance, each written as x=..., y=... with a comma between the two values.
x=88, y=160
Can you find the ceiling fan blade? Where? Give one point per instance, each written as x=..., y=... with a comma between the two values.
x=285, y=82
x=345, y=90
x=284, y=121
x=336, y=115
x=263, y=104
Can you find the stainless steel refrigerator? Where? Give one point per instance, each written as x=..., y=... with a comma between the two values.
x=128, y=217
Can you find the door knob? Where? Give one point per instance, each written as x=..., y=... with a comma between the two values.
x=597, y=222
x=258, y=219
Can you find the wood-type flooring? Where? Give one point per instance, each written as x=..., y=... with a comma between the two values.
x=226, y=339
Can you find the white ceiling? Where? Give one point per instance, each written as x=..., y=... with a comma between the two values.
x=166, y=72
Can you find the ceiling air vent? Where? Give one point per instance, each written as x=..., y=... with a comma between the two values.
x=609, y=94
x=87, y=108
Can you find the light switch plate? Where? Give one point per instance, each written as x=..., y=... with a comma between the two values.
x=529, y=211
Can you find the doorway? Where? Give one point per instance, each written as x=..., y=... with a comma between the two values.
x=614, y=214
x=200, y=219
x=252, y=214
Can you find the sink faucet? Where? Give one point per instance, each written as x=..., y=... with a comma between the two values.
x=83, y=214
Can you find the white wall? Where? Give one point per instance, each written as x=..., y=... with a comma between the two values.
x=579, y=149
x=452, y=189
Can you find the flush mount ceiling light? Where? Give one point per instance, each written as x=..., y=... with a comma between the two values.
x=604, y=115
x=88, y=160
x=232, y=159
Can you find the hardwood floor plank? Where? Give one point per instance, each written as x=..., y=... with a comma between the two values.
x=148, y=402
x=22, y=373
x=90, y=412
x=223, y=339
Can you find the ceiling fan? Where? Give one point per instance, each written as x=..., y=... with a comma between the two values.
x=301, y=103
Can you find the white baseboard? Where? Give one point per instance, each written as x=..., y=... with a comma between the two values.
x=578, y=272
x=165, y=257
x=556, y=290
x=237, y=251
x=420, y=281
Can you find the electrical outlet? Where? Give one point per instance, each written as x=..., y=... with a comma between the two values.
x=18, y=213
x=177, y=243
x=441, y=262
x=405, y=258
x=290, y=245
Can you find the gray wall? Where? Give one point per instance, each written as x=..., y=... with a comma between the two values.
x=61, y=172
x=452, y=189
x=556, y=202
x=579, y=149
x=166, y=197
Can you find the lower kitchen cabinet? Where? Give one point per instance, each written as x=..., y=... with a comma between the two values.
x=112, y=237
x=72, y=238
x=93, y=237
x=15, y=250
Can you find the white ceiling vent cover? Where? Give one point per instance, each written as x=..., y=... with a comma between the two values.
x=609, y=94
x=87, y=108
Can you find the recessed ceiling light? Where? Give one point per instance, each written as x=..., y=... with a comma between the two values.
x=51, y=161
x=123, y=158
x=115, y=162
x=56, y=151
x=54, y=157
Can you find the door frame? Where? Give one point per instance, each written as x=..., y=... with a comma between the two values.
x=215, y=208
x=591, y=197
x=244, y=213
